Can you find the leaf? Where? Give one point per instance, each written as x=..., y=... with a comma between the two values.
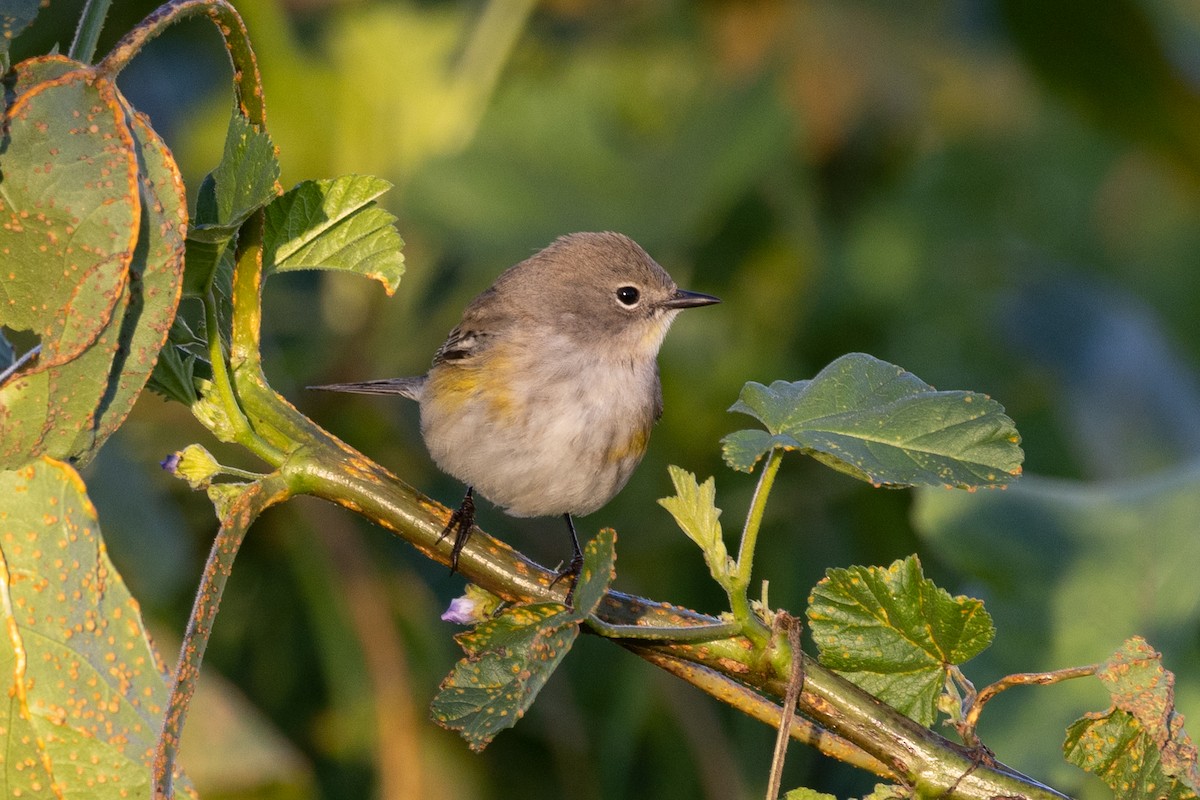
x=1138, y=747
x=71, y=216
x=878, y=423
x=336, y=225
x=510, y=658
x=86, y=689
x=895, y=633
x=807, y=794
x=244, y=181
x=15, y=16
x=156, y=279
x=695, y=511
x=96, y=220
x=1067, y=569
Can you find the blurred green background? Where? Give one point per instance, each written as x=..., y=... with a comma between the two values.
x=999, y=195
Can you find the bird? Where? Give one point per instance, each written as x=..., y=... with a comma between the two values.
x=543, y=397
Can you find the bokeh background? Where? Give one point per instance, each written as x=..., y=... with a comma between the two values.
x=999, y=195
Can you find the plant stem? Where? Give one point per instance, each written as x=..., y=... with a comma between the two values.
x=739, y=582
x=237, y=42
x=249, y=505
x=242, y=433
x=673, y=633
x=91, y=21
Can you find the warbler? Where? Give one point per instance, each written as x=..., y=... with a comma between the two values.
x=543, y=397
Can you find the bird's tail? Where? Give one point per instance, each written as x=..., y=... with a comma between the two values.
x=405, y=387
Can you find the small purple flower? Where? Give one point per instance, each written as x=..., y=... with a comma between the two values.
x=463, y=611
x=170, y=463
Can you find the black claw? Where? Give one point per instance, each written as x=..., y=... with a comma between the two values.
x=575, y=566
x=461, y=522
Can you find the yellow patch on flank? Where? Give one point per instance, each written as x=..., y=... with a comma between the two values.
x=455, y=386
x=632, y=447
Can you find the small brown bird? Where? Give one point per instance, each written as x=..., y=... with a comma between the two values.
x=543, y=397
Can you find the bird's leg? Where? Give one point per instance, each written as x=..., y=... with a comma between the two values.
x=460, y=523
x=572, y=569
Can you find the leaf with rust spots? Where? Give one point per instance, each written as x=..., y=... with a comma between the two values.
x=878, y=423
x=84, y=683
x=510, y=658
x=69, y=221
x=335, y=225
x=1139, y=746
x=15, y=16
x=156, y=280
x=70, y=211
x=895, y=633
x=107, y=286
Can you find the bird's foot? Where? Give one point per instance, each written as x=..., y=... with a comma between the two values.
x=571, y=570
x=460, y=523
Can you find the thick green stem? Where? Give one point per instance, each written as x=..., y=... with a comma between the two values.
x=91, y=22
x=242, y=433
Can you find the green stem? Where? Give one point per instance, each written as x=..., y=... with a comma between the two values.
x=738, y=583
x=250, y=504
x=758, y=504
x=91, y=21
x=242, y=433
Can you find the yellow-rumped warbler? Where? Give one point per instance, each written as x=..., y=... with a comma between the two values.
x=544, y=395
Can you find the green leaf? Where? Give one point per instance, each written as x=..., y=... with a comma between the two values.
x=878, y=423
x=510, y=658
x=155, y=284
x=244, y=181
x=336, y=225
x=15, y=16
x=71, y=213
x=894, y=633
x=1139, y=746
x=807, y=794
x=97, y=267
x=695, y=511
x=174, y=375
x=1116, y=748
x=87, y=689
x=1068, y=569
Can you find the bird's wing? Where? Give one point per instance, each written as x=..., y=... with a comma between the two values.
x=462, y=343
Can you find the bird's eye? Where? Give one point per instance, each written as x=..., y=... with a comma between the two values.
x=628, y=296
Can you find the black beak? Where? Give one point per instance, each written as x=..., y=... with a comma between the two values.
x=686, y=299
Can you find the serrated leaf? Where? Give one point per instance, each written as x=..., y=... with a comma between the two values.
x=807, y=794
x=244, y=181
x=1140, y=741
x=1117, y=749
x=895, y=632
x=336, y=225
x=510, y=658
x=695, y=511
x=881, y=424
x=86, y=688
